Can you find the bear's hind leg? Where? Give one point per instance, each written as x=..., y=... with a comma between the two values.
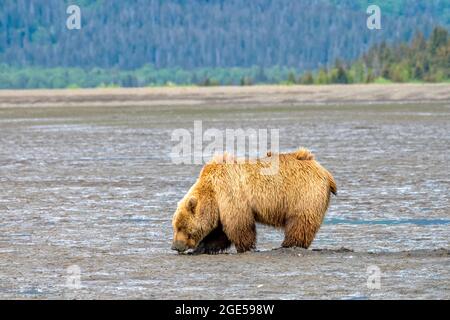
x=299, y=233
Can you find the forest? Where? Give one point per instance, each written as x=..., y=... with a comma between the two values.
x=420, y=60
x=134, y=43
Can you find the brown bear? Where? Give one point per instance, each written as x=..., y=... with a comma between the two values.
x=230, y=196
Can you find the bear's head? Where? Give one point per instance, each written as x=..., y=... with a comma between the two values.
x=196, y=216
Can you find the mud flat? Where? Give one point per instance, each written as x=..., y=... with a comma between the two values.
x=264, y=95
x=274, y=274
x=87, y=183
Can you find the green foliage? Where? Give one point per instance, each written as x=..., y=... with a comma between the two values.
x=420, y=61
x=322, y=77
x=307, y=78
x=291, y=78
x=339, y=75
x=127, y=35
x=38, y=77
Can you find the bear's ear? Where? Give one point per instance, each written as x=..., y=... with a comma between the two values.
x=191, y=204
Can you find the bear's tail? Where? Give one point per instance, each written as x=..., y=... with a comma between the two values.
x=303, y=154
x=333, y=187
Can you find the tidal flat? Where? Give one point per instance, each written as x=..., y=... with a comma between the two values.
x=86, y=180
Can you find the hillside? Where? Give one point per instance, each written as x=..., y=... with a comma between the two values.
x=185, y=34
x=421, y=60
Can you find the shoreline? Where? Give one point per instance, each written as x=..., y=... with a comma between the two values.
x=259, y=95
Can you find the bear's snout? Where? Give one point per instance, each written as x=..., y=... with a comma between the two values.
x=179, y=246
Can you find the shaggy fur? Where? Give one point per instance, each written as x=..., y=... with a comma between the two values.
x=230, y=197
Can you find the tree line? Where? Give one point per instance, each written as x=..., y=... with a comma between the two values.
x=130, y=34
x=421, y=59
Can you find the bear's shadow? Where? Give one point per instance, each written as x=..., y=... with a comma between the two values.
x=215, y=242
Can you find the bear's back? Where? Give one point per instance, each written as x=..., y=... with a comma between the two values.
x=294, y=182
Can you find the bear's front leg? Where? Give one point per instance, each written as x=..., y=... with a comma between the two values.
x=242, y=236
x=215, y=242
